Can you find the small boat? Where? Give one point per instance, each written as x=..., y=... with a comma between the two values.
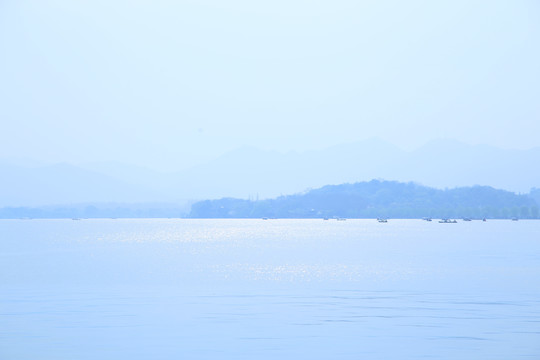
x=265, y=218
x=515, y=219
x=467, y=219
x=484, y=219
x=447, y=221
x=325, y=218
x=427, y=219
x=382, y=220
x=341, y=219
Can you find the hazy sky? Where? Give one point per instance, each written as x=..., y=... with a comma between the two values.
x=171, y=83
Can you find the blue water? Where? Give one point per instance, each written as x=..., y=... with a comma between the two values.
x=275, y=289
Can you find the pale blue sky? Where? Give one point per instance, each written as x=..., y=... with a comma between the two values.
x=170, y=83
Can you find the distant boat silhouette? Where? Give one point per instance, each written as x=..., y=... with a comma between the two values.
x=447, y=221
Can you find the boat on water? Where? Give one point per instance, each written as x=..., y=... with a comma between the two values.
x=341, y=219
x=382, y=220
x=427, y=219
x=515, y=219
x=447, y=221
x=484, y=219
x=325, y=218
x=467, y=219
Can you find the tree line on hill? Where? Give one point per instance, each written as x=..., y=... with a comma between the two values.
x=379, y=199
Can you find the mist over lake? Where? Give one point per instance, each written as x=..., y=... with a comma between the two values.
x=285, y=179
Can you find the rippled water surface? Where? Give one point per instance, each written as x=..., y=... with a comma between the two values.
x=254, y=289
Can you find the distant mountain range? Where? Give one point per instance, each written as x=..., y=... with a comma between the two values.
x=377, y=199
x=373, y=199
x=254, y=173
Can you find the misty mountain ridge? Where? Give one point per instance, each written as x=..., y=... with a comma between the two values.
x=252, y=172
x=373, y=199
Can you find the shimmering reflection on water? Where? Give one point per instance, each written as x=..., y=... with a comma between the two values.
x=204, y=289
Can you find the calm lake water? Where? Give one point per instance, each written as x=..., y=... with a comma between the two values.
x=275, y=289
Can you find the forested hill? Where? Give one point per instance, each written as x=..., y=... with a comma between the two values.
x=389, y=199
